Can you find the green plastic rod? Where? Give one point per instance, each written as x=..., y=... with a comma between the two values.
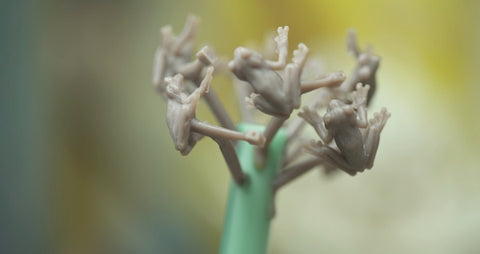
x=247, y=221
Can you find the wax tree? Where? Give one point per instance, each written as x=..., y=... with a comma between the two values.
x=263, y=158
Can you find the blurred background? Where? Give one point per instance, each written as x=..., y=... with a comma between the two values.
x=87, y=164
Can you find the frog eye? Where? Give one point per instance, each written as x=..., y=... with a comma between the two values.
x=335, y=103
x=375, y=60
x=364, y=72
x=243, y=52
x=171, y=90
x=363, y=59
x=255, y=61
x=178, y=78
x=231, y=65
x=349, y=110
x=327, y=119
x=332, y=104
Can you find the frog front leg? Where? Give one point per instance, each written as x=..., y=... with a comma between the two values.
x=193, y=70
x=316, y=121
x=291, y=85
x=360, y=96
x=183, y=45
x=282, y=49
x=162, y=59
x=372, y=135
x=365, y=71
x=159, y=69
x=193, y=99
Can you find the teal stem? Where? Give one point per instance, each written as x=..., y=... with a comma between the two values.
x=247, y=220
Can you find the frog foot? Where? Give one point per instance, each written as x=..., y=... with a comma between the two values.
x=300, y=55
x=249, y=100
x=282, y=38
x=314, y=147
x=380, y=119
x=360, y=94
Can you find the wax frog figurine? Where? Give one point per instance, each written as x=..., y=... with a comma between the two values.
x=184, y=128
x=273, y=94
x=364, y=72
x=343, y=123
x=181, y=109
x=173, y=56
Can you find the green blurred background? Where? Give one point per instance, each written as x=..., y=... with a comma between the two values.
x=87, y=165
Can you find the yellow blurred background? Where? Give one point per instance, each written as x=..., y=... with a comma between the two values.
x=88, y=165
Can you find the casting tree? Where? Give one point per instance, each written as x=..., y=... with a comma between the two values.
x=257, y=155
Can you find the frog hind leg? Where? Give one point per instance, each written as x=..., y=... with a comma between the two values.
x=372, y=135
x=263, y=105
x=331, y=157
